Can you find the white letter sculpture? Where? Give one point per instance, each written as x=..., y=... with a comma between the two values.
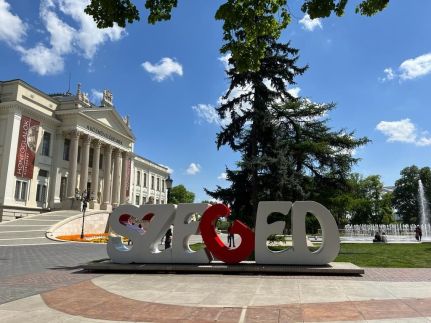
x=145, y=245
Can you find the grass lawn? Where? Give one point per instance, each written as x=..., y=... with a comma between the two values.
x=386, y=255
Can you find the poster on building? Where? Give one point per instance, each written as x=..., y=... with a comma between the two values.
x=26, y=150
x=129, y=170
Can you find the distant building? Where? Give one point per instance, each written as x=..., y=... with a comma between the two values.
x=56, y=148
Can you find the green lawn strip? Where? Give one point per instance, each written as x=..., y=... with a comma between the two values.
x=384, y=255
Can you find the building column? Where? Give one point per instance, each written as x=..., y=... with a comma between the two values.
x=73, y=164
x=124, y=178
x=95, y=175
x=55, y=174
x=106, y=205
x=116, y=182
x=84, y=164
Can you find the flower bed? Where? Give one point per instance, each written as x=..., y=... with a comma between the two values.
x=88, y=237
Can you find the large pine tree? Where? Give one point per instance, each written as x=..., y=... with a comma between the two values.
x=288, y=152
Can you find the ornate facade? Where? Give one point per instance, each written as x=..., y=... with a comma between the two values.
x=56, y=148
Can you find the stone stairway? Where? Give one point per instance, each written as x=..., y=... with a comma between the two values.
x=31, y=230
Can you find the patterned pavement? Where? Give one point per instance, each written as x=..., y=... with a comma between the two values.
x=43, y=283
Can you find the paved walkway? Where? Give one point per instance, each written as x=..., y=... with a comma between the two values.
x=41, y=282
x=381, y=295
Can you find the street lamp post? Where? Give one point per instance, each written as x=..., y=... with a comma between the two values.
x=84, y=207
x=169, y=185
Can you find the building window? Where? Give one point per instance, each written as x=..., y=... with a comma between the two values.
x=163, y=185
x=43, y=173
x=144, y=199
x=158, y=184
x=21, y=190
x=137, y=200
x=162, y=202
x=152, y=182
x=90, y=158
x=66, y=149
x=145, y=179
x=41, y=193
x=101, y=161
x=138, y=178
x=46, y=143
x=157, y=201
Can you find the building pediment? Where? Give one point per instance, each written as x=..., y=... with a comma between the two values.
x=109, y=118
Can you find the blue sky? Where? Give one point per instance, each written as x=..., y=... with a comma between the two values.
x=169, y=77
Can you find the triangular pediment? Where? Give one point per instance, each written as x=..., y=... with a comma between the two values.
x=110, y=118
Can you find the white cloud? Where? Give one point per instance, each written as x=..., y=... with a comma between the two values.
x=222, y=176
x=310, y=24
x=12, y=28
x=96, y=96
x=88, y=36
x=42, y=60
x=424, y=141
x=61, y=33
x=208, y=113
x=415, y=67
x=410, y=69
x=165, y=68
x=193, y=169
x=83, y=38
x=403, y=131
x=294, y=91
x=225, y=60
x=389, y=74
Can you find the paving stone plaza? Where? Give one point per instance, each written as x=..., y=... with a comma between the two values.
x=41, y=281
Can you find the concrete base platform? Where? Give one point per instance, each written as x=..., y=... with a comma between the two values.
x=245, y=267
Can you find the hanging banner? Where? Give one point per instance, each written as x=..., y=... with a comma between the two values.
x=26, y=150
x=129, y=170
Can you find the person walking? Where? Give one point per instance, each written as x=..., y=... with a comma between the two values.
x=230, y=236
x=418, y=233
x=168, y=237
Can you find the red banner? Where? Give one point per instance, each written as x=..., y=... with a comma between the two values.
x=129, y=170
x=26, y=150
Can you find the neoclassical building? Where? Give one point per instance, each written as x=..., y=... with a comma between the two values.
x=54, y=148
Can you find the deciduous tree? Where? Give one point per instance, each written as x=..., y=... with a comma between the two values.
x=242, y=32
x=405, y=196
x=179, y=194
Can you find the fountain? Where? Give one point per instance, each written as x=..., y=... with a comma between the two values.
x=395, y=232
x=423, y=205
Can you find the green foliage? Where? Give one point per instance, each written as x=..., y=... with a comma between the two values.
x=160, y=9
x=366, y=202
x=179, y=194
x=245, y=22
x=246, y=25
x=405, y=196
x=222, y=225
x=107, y=12
x=324, y=8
